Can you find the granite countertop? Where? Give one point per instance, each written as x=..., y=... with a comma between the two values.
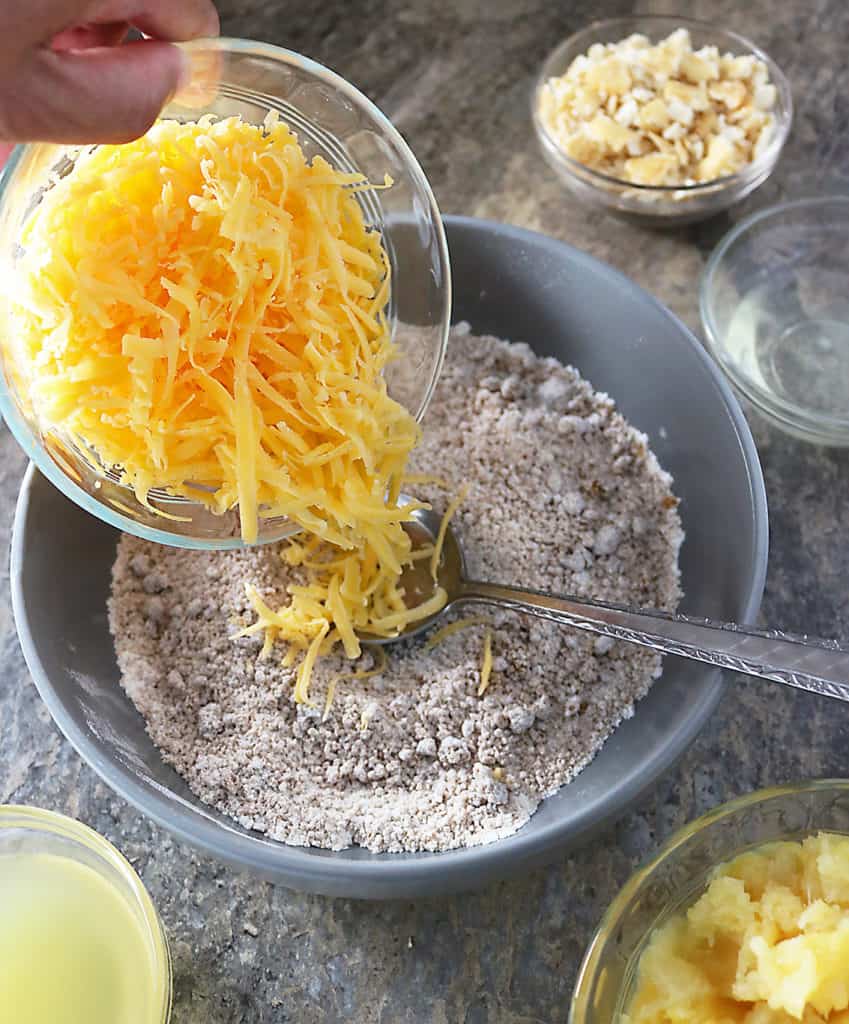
x=454, y=75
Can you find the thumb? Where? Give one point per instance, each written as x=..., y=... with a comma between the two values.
x=105, y=95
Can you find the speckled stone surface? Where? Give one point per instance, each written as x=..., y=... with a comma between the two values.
x=455, y=76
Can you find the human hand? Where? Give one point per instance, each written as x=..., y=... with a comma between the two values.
x=65, y=78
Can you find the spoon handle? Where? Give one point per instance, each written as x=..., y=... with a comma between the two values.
x=821, y=666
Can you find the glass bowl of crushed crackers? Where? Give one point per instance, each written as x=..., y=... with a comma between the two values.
x=743, y=915
x=664, y=119
x=172, y=306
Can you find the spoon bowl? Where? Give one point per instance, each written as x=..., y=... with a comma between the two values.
x=416, y=580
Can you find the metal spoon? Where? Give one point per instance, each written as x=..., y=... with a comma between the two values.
x=808, y=663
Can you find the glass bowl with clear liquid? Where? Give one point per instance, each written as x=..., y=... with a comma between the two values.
x=775, y=308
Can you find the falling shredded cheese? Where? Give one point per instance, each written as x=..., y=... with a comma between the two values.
x=453, y=505
x=203, y=311
x=486, y=663
x=348, y=595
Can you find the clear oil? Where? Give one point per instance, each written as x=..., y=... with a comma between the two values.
x=792, y=347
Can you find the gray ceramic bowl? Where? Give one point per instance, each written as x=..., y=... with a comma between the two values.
x=564, y=303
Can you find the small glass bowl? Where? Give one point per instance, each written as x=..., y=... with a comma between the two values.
x=34, y=830
x=332, y=119
x=665, y=205
x=775, y=311
x=678, y=874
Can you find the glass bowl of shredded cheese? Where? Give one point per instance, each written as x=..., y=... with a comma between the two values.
x=741, y=916
x=664, y=119
x=228, y=330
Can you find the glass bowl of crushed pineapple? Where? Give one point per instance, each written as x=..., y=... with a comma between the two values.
x=663, y=119
x=743, y=915
x=217, y=334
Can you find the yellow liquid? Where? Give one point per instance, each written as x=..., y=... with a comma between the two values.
x=72, y=949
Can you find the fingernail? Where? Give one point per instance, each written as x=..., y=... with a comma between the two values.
x=213, y=27
x=184, y=78
x=202, y=69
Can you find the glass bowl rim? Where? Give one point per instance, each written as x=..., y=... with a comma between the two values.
x=114, y=517
x=793, y=415
x=39, y=819
x=589, y=967
x=763, y=163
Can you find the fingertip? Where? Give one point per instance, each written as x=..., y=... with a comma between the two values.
x=174, y=20
x=109, y=95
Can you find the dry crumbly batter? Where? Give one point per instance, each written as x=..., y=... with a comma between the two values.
x=563, y=495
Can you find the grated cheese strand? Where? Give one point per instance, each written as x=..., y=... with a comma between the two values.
x=302, y=679
x=486, y=663
x=453, y=505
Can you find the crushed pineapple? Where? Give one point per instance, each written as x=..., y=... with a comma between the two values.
x=767, y=943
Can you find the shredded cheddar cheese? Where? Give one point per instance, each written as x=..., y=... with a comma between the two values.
x=203, y=311
x=347, y=595
x=486, y=663
x=453, y=505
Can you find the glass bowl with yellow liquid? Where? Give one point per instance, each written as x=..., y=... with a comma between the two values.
x=80, y=940
x=775, y=311
x=333, y=120
x=671, y=881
